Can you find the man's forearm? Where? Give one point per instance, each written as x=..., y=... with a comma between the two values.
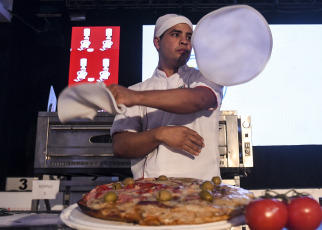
x=181, y=101
x=173, y=100
x=134, y=145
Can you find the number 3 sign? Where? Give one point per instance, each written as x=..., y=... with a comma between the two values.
x=19, y=183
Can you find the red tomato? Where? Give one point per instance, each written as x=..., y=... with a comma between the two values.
x=304, y=213
x=266, y=214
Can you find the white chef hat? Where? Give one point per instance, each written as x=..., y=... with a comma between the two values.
x=167, y=21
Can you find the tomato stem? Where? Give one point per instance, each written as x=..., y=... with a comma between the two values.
x=285, y=197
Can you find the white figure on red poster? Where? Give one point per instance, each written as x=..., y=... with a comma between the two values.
x=81, y=75
x=107, y=44
x=86, y=42
x=105, y=74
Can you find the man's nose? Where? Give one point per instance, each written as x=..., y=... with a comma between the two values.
x=184, y=40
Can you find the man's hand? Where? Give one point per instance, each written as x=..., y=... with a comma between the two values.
x=182, y=138
x=123, y=95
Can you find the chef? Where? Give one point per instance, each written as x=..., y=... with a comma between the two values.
x=171, y=123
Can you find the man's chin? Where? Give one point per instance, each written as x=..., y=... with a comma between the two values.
x=183, y=60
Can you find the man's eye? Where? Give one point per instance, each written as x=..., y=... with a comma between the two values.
x=189, y=38
x=175, y=34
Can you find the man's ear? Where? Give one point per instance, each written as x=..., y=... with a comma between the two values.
x=156, y=42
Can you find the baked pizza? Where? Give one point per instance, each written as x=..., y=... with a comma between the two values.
x=165, y=201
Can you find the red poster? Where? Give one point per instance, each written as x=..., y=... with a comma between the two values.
x=94, y=55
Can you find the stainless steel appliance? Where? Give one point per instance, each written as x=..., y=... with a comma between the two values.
x=79, y=147
x=235, y=145
x=85, y=146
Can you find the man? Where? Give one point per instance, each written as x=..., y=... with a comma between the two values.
x=171, y=123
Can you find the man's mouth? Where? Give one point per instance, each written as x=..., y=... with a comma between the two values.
x=182, y=51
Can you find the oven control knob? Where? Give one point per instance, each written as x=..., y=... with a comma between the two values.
x=246, y=124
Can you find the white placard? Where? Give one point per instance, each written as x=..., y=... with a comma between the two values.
x=19, y=183
x=45, y=189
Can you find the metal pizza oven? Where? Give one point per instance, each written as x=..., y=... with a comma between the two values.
x=84, y=147
x=235, y=144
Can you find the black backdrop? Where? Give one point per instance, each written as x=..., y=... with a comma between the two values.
x=34, y=55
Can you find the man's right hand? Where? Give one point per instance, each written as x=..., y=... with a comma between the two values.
x=123, y=95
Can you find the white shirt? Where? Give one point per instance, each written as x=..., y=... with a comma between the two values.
x=165, y=160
